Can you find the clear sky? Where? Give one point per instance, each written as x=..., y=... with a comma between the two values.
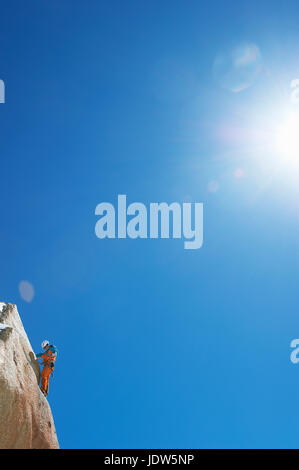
x=159, y=347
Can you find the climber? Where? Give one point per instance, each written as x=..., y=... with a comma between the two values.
x=49, y=358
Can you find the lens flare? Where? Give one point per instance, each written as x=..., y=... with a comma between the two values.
x=238, y=68
x=239, y=173
x=213, y=186
x=26, y=290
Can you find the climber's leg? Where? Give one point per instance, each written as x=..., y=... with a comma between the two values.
x=48, y=374
x=45, y=384
x=45, y=380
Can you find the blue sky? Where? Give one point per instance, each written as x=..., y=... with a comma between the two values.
x=159, y=347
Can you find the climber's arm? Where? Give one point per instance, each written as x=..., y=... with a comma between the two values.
x=38, y=355
x=54, y=350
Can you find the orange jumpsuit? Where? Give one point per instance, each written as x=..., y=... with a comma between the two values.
x=49, y=359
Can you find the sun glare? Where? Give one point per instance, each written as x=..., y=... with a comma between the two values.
x=288, y=139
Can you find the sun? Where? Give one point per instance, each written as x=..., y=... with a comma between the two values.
x=288, y=139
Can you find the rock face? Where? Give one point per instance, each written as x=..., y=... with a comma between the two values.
x=26, y=420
